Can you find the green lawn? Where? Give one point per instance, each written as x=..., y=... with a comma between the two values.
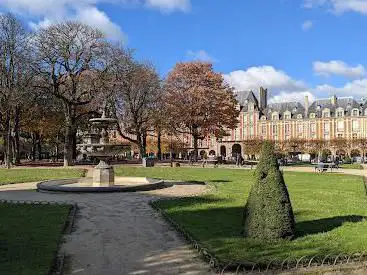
x=34, y=174
x=329, y=211
x=351, y=166
x=29, y=237
x=343, y=166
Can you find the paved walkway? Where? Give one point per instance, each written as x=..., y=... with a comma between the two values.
x=119, y=233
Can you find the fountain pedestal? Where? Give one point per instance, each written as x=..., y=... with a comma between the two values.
x=103, y=175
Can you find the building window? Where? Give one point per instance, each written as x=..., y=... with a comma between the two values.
x=340, y=135
x=313, y=128
x=263, y=129
x=312, y=115
x=287, y=129
x=300, y=128
x=355, y=125
x=340, y=113
x=354, y=136
x=326, y=127
x=355, y=112
x=326, y=114
x=275, y=130
x=340, y=126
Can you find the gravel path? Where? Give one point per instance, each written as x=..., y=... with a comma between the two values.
x=119, y=233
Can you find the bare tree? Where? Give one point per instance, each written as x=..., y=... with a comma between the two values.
x=15, y=77
x=136, y=89
x=71, y=60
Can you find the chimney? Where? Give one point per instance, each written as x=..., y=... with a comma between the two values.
x=334, y=99
x=263, y=98
x=306, y=106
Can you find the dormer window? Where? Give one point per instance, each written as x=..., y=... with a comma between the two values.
x=275, y=116
x=287, y=115
x=312, y=115
x=355, y=112
x=299, y=116
x=263, y=118
x=326, y=113
x=340, y=113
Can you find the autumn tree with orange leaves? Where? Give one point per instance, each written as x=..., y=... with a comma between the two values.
x=198, y=102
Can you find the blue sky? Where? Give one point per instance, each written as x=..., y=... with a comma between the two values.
x=293, y=47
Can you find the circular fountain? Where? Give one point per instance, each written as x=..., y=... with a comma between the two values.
x=97, y=144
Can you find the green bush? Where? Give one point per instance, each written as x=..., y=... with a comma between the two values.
x=268, y=213
x=347, y=160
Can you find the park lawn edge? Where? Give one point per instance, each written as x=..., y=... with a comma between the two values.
x=57, y=262
x=217, y=263
x=38, y=177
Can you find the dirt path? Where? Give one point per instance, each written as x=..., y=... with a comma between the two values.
x=119, y=233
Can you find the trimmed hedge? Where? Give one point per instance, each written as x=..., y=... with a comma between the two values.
x=268, y=213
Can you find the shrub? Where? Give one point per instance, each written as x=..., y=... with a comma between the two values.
x=268, y=213
x=347, y=160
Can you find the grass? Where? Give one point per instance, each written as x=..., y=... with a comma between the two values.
x=8, y=176
x=351, y=166
x=330, y=211
x=29, y=237
x=343, y=166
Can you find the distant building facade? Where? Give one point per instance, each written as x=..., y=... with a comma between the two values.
x=324, y=119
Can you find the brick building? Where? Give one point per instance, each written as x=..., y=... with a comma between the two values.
x=323, y=119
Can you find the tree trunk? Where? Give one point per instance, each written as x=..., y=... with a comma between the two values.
x=195, y=139
x=16, y=154
x=7, y=141
x=69, y=111
x=74, y=144
x=68, y=146
x=159, y=145
x=33, y=146
x=38, y=146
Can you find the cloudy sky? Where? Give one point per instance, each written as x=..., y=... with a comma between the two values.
x=292, y=47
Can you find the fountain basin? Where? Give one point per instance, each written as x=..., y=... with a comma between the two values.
x=85, y=185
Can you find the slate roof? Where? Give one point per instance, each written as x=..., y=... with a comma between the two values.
x=244, y=97
x=294, y=107
x=347, y=103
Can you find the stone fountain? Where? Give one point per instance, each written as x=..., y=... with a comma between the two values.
x=97, y=144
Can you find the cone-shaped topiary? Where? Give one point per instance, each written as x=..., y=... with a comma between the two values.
x=268, y=212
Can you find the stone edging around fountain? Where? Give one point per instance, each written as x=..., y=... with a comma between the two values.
x=58, y=185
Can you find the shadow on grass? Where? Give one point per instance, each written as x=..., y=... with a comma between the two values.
x=219, y=229
x=209, y=220
x=220, y=181
x=324, y=225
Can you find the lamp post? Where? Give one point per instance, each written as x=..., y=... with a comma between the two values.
x=219, y=141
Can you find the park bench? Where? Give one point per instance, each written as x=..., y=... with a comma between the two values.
x=324, y=167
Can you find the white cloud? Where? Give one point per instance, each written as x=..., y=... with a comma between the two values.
x=292, y=96
x=339, y=6
x=266, y=76
x=281, y=86
x=337, y=67
x=98, y=19
x=356, y=88
x=42, y=13
x=307, y=25
x=170, y=5
x=201, y=55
